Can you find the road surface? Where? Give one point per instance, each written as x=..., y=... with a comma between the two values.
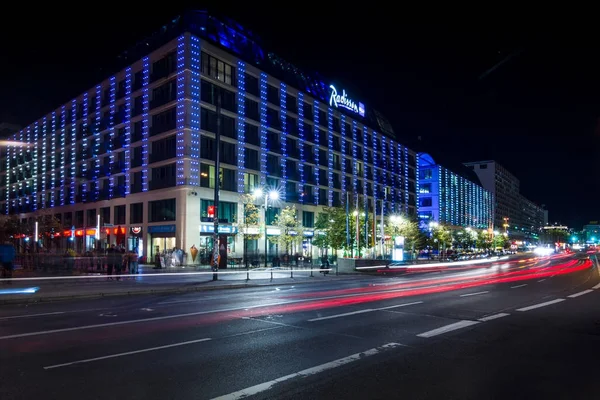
x=518, y=329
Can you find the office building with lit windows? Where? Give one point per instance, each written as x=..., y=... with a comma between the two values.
x=452, y=197
x=513, y=213
x=132, y=160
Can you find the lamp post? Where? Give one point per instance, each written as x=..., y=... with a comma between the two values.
x=216, y=249
x=357, y=240
x=273, y=195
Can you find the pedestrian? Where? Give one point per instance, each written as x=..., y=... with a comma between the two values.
x=120, y=263
x=112, y=257
x=133, y=261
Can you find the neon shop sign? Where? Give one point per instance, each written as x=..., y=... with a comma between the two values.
x=343, y=101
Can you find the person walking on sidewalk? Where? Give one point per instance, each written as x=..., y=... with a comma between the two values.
x=113, y=258
x=133, y=261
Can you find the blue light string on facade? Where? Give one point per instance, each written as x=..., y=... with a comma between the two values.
x=394, y=176
x=63, y=130
x=301, y=141
x=417, y=176
x=35, y=167
x=85, y=145
x=8, y=153
x=53, y=160
x=330, y=156
x=29, y=183
x=378, y=184
x=406, y=193
x=97, y=127
x=241, y=127
x=20, y=193
x=180, y=111
x=283, y=142
x=110, y=147
x=364, y=171
x=145, y=121
x=316, y=150
x=195, y=111
x=127, y=130
x=355, y=163
x=263, y=129
x=73, y=151
x=44, y=142
x=400, y=177
x=343, y=157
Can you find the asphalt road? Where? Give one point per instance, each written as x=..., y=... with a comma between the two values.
x=526, y=329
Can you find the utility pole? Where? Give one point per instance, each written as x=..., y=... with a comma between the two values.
x=216, y=250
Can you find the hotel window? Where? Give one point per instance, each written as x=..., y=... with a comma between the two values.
x=218, y=69
x=425, y=188
x=425, y=173
x=426, y=202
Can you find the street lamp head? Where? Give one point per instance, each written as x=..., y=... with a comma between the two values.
x=355, y=213
x=257, y=193
x=274, y=195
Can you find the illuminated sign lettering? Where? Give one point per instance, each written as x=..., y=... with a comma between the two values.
x=336, y=100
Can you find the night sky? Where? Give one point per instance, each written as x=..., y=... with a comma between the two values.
x=524, y=95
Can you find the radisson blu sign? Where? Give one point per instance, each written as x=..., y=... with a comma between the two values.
x=342, y=100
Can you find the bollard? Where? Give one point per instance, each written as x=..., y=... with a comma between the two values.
x=291, y=272
x=247, y=272
x=311, y=271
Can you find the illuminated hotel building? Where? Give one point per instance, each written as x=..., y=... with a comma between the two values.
x=454, y=198
x=135, y=154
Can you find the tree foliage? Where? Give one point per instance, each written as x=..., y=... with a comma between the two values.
x=409, y=229
x=251, y=217
x=330, y=229
x=290, y=228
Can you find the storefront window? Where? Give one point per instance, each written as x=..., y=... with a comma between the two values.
x=226, y=211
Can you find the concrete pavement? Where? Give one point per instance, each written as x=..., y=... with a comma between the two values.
x=423, y=337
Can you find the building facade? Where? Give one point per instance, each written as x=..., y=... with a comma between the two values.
x=132, y=160
x=513, y=213
x=451, y=198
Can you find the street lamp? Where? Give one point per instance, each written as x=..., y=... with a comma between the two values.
x=273, y=195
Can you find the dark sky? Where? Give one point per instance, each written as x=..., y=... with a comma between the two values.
x=537, y=113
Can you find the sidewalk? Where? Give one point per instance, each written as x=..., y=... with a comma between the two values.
x=94, y=286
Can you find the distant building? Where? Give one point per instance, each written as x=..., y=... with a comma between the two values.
x=452, y=197
x=514, y=213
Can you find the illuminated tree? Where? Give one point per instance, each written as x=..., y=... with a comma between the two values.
x=251, y=221
x=290, y=229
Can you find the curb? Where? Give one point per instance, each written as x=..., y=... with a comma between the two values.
x=97, y=295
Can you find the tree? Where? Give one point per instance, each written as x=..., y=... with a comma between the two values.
x=551, y=236
x=440, y=238
x=10, y=225
x=330, y=229
x=409, y=229
x=251, y=219
x=290, y=229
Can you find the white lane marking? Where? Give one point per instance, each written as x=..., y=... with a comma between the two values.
x=547, y=303
x=518, y=286
x=495, y=316
x=542, y=280
x=263, y=387
x=341, y=315
x=254, y=331
x=128, y=353
x=447, y=328
x=32, y=315
x=399, y=305
x=597, y=286
x=580, y=293
x=473, y=294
